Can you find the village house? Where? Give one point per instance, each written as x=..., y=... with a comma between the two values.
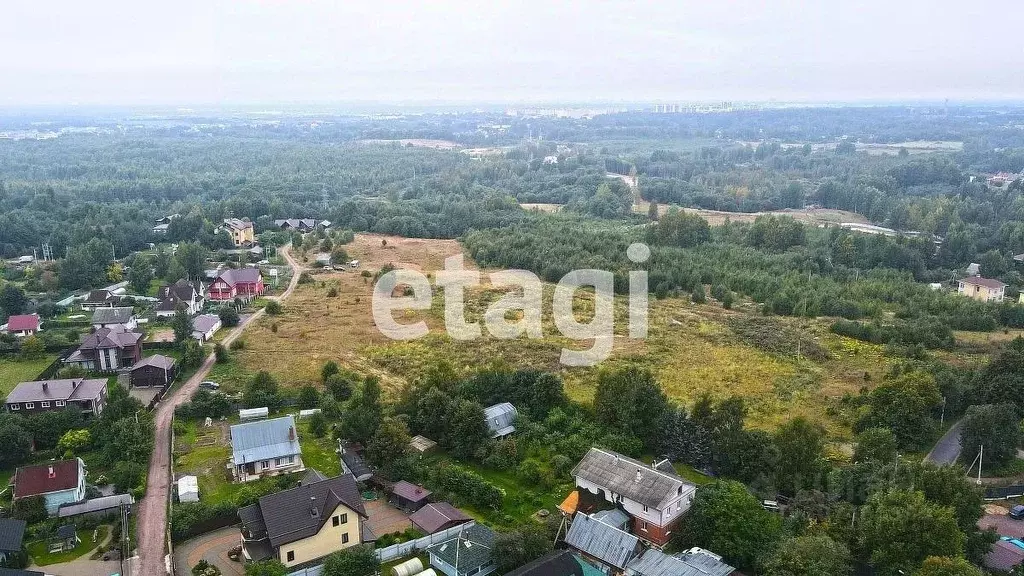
x=408, y=496
x=100, y=299
x=601, y=545
x=240, y=231
x=22, y=325
x=695, y=561
x=303, y=524
x=58, y=483
x=123, y=317
x=108, y=349
x=470, y=552
x=182, y=295
x=300, y=224
x=88, y=395
x=265, y=448
x=500, y=419
x=12, y=535
x=983, y=289
x=153, y=371
x=244, y=283
x=654, y=497
x=205, y=326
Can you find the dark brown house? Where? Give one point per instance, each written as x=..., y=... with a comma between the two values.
x=108, y=349
x=153, y=371
x=90, y=395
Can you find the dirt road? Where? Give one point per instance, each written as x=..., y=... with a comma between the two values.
x=152, y=510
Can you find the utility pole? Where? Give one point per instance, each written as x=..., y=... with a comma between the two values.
x=942, y=419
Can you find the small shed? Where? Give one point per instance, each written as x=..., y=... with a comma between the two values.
x=188, y=489
x=153, y=371
x=408, y=496
x=308, y=413
x=101, y=507
x=500, y=419
x=352, y=463
x=437, y=516
x=422, y=444
x=64, y=539
x=253, y=413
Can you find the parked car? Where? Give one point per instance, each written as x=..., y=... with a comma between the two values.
x=1017, y=512
x=209, y=385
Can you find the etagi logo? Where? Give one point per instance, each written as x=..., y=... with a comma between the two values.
x=525, y=297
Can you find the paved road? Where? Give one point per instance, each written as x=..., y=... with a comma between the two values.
x=212, y=547
x=947, y=449
x=152, y=510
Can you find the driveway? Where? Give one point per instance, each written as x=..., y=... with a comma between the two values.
x=385, y=518
x=1003, y=525
x=212, y=547
x=152, y=509
x=947, y=449
x=81, y=567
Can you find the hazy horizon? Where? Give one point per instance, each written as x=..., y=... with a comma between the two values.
x=117, y=53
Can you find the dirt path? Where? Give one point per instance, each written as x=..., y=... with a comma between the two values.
x=152, y=510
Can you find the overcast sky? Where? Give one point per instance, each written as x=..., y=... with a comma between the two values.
x=209, y=51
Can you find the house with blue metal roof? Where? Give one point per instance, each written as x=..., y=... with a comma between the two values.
x=265, y=448
x=500, y=419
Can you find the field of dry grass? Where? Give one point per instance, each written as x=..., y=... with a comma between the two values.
x=808, y=215
x=690, y=348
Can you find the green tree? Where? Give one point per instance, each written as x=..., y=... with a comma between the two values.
x=364, y=412
x=466, y=429
x=75, y=441
x=182, y=325
x=875, y=445
x=945, y=566
x=519, y=547
x=899, y=529
x=308, y=397
x=32, y=347
x=272, y=567
x=390, y=443
x=630, y=400
x=329, y=369
x=318, y=424
x=261, y=391
x=191, y=354
x=697, y=295
x=228, y=316
x=994, y=426
x=809, y=556
x=354, y=561
x=16, y=441
x=192, y=258
x=31, y=509
x=141, y=274
x=728, y=519
x=801, y=446
x=12, y=300
x=904, y=405
x=680, y=229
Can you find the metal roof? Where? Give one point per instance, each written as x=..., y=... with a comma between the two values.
x=95, y=505
x=656, y=563
x=554, y=563
x=631, y=478
x=12, y=532
x=599, y=540
x=500, y=418
x=468, y=549
x=156, y=361
x=433, y=517
x=205, y=322
x=118, y=315
x=66, y=389
x=410, y=491
x=263, y=440
x=355, y=466
x=614, y=517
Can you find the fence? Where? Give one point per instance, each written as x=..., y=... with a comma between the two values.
x=1004, y=492
x=398, y=550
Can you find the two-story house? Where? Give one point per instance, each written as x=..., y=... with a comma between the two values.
x=182, y=295
x=57, y=482
x=108, y=349
x=265, y=448
x=983, y=289
x=100, y=299
x=241, y=231
x=88, y=395
x=303, y=524
x=245, y=283
x=122, y=316
x=654, y=497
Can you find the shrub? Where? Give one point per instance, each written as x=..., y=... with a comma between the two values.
x=468, y=485
x=273, y=327
x=228, y=316
x=237, y=344
x=273, y=307
x=332, y=292
x=221, y=353
x=305, y=278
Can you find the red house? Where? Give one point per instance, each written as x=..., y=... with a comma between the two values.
x=23, y=324
x=245, y=283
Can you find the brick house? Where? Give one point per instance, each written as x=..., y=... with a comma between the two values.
x=245, y=283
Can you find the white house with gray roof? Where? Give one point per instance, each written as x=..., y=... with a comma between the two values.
x=265, y=448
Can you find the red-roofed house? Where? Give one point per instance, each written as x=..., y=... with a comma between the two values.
x=23, y=324
x=984, y=289
x=245, y=283
x=57, y=482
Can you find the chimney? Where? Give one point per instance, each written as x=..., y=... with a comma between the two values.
x=638, y=475
x=46, y=385
x=291, y=433
x=50, y=473
x=314, y=512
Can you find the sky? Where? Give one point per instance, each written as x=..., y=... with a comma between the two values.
x=121, y=52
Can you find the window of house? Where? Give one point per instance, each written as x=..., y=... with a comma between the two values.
x=643, y=526
x=335, y=521
x=645, y=508
x=291, y=555
x=344, y=538
x=30, y=405
x=15, y=406
x=287, y=459
x=344, y=518
x=61, y=403
x=44, y=404
x=265, y=464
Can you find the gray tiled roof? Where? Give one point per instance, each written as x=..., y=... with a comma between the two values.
x=471, y=546
x=263, y=440
x=119, y=315
x=157, y=361
x=12, y=532
x=205, y=322
x=288, y=515
x=67, y=389
x=618, y=474
x=114, y=337
x=599, y=540
x=656, y=563
x=94, y=505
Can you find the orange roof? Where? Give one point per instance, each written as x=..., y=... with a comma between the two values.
x=571, y=502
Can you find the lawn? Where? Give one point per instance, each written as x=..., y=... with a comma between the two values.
x=42, y=557
x=318, y=453
x=14, y=370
